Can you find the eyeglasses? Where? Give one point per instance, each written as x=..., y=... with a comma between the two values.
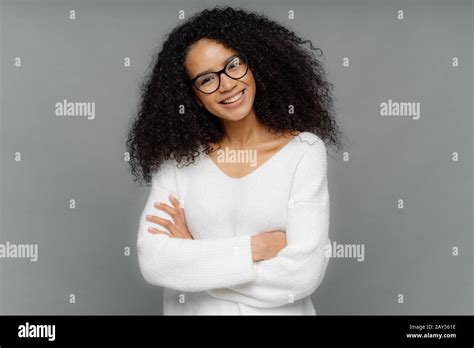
x=210, y=82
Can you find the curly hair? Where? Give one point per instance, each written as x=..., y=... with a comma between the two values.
x=285, y=73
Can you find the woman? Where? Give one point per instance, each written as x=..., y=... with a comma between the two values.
x=221, y=233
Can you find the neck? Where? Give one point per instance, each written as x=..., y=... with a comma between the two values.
x=249, y=130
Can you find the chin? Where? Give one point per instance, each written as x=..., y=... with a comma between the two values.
x=234, y=117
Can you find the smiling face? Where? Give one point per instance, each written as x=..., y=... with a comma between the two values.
x=206, y=55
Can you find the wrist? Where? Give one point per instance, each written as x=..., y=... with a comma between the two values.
x=257, y=247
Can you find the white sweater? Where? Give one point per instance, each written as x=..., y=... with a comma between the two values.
x=214, y=274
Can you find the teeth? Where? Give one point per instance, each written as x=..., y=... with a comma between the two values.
x=234, y=98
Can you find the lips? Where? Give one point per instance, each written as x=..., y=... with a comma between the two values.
x=237, y=93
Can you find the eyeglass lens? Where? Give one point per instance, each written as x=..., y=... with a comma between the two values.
x=209, y=82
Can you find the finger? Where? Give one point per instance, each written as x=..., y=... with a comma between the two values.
x=157, y=231
x=167, y=209
x=175, y=202
x=177, y=217
x=177, y=205
x=183, y=215
x=163, y=222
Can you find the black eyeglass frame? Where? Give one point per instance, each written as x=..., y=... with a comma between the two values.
x=221, y=72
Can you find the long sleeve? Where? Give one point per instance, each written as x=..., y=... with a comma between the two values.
x=186, y=264
x=298, y=269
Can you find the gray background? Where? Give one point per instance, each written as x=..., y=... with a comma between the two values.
x=407, y=251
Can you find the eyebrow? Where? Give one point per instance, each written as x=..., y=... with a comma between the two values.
x=223, y=65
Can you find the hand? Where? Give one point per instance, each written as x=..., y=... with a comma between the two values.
x=178, y=229
x=267, y=245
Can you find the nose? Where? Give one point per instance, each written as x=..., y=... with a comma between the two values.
x=227, y=83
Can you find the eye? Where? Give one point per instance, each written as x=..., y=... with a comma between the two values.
x=235, y=63
x=203, y=80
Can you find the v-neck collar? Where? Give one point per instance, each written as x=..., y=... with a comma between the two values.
x=256, y=170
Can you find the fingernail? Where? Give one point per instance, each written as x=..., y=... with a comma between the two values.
x=148, y=216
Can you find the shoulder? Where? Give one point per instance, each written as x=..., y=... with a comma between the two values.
x=308, y=138
x=310, y=178
x=312, y=159
x=312, y=148
x=165, y=174
x=170, y=172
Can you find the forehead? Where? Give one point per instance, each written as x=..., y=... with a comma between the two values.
x=206, y=54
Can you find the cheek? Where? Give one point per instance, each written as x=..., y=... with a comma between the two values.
x=250, y=81
x=252, y=86
x=250, y=76
x=205, y=99
x=209, y=102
